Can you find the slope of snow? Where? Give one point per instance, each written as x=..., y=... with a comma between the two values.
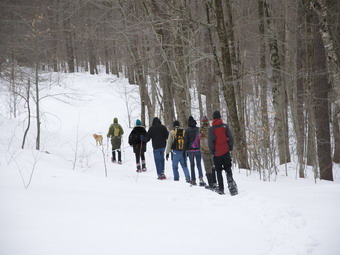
x=71, y=208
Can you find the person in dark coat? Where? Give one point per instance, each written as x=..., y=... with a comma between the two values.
x=159, y=134
x=137, y=139
x=116, y=132
x=193, y=153
x=221, y=142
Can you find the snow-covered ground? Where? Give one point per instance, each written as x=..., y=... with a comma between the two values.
x=72, y=208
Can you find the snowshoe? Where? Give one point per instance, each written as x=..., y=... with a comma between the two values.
x=220, y=192
x=202, y=183
x=232, y=186
x=119, y=162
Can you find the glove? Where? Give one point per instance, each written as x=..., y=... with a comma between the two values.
x=167, y=157
x=142, y=138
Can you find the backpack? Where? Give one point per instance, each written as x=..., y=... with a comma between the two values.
x=116, y=130
x=204, y=145
x=178, y=143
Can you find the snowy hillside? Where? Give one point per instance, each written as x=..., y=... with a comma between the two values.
x=72, y=208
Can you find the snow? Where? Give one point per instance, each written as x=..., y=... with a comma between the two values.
x=81, y=211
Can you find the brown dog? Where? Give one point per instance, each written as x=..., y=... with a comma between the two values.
x=98, y=138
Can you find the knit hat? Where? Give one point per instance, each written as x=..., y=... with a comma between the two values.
x=205, y=119
x=138, y=123
x=216, y=115
x=176, y=123
x=115, y=120
x=191, y=122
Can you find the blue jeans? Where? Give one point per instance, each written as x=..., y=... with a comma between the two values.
x=158, y=155
x=192, y=156
x=177, y=156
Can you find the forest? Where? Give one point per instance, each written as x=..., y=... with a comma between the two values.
x=270, y=66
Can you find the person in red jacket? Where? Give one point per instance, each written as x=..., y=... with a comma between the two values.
x=221, y=142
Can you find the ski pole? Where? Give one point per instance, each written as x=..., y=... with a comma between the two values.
x=107, y=147
x=123, y=148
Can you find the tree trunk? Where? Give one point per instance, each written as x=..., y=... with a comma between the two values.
x=264, y=86
x=298, y=100
x=278, y=92
x=321, y=89
x=92, y=58
x=323, y=9
x=228, y=88
x=69, y=45
x=28, y=114
x=37, y=104
x=336, y=134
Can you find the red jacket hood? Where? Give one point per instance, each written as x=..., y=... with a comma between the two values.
x=217, y=122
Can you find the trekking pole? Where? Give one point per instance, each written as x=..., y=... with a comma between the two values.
x=123, y=148
x=107, y=147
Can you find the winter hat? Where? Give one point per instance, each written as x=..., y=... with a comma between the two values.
x=191, y=122
x=138, y=123
x=204, y=119
x=156, y=121
x=115, y=120
x=216, y=115
x=176, y=123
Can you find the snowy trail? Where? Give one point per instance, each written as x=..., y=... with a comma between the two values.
x=82, y=212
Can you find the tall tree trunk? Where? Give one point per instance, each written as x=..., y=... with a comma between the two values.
x=69, y=45
x=92, y=58
x=37, y=104
x=165, y=78
x=298, y=100
x=217, y=70
x=324, y=10
x=264, y=86
x=228, y=88
x=336, y=134
x=322, y=87
x=278, y=91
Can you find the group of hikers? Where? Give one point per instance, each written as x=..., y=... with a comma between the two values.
x=212, y=142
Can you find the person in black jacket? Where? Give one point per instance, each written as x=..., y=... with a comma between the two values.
x=137, y=139
x=193, y=153
x=159, y=134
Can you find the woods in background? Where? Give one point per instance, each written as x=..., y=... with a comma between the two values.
x=271, y=67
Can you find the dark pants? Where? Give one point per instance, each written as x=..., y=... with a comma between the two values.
x=114, y=155
x=222, y=162
x=192, y=156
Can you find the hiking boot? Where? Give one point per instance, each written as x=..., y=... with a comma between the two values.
x=143, y=167
x=163, y=177
x=202, y=183
x=193, y=183
x=188, y=180
x=113, y=160
x=119, y=162
x=138, y=168
x=220, y=192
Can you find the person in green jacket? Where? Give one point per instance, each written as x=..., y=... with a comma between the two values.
x=116, y=132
